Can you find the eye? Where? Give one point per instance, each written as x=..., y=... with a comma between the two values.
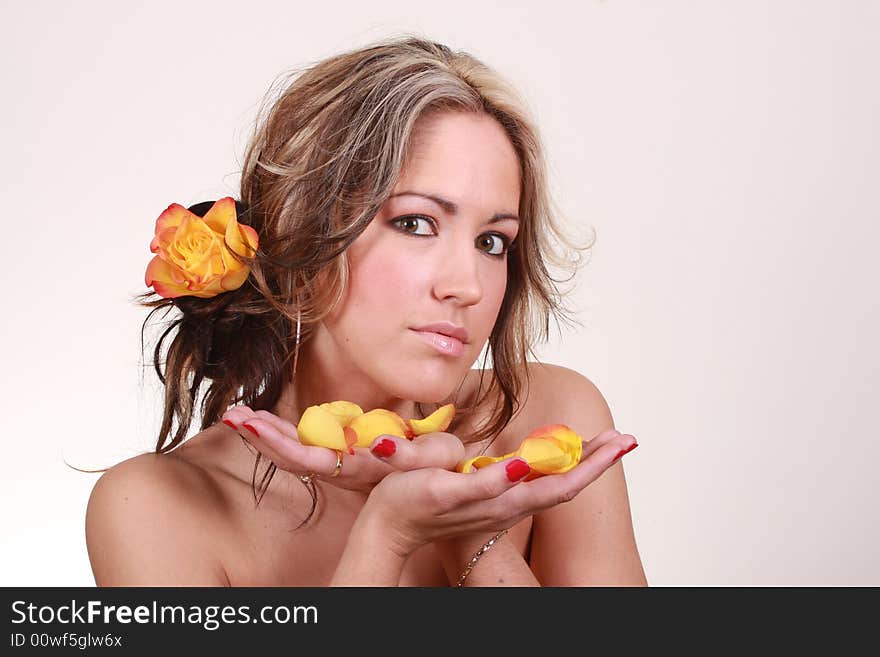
x=502, y=241
x=412, y=220
x=494, y=241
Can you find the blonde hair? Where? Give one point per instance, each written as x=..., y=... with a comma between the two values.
x=329, y=145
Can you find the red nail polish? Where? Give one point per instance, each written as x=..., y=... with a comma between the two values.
x=230, y=424
x=629, y=449
x=384, y=448
x=517, y=469
x=251, y=429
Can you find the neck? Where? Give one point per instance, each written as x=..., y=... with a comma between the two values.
x=323, y=377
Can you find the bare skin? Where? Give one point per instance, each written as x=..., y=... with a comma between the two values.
x=210, y=512
x=189, y=516
x=260, y=546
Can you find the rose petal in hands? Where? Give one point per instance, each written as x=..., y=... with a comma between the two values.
x=600, y=453
x=277, y=439
x=443, y=504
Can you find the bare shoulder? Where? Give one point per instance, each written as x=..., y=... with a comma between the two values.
x=553, y=394
x=589, y=540
x=560, y=395
x=149, y=523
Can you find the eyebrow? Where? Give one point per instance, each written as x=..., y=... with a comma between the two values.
x=451, y=208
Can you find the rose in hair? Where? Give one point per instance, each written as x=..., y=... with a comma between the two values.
x=195, y=256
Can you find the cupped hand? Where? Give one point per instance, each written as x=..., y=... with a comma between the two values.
x=419, y=505
x=278, y=440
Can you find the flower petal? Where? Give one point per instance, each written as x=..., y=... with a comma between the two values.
x=552, y=449
x=477, y=462
x=439, y=420
x=345, y=411
x=546, y=455
x=234, y=279
x=319, y=427
x=221, y=215
x=165, y=279
x=250, y=236
x=374, y=423
x=192, y=249
x=171, y=217
x=241, y=239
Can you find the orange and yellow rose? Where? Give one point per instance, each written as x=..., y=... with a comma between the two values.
x=191, y=256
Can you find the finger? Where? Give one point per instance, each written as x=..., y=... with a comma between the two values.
x=491, y=481
x=284, y=427
x=240, y=421
x=550, y=490
x=289, y=454
x=431, y=450
x=590, y=446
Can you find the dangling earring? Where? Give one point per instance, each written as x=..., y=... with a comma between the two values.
x=296, y=346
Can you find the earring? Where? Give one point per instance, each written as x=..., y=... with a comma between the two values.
x=296, y=346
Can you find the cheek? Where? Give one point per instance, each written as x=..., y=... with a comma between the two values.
x=494, y=284
x=383, y=282
x=494, y=298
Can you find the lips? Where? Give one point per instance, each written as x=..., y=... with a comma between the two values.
x=446, y=328
x=445, y=344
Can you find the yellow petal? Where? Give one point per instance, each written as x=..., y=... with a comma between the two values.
x=234, y=279
x=545, y=455
x=250, y=236
x=171, y=217
x=221, y=215
x=374, y=423
x=241, y=239
x=165, y=279
x=345, y=411
x=477, y=462
x=319, y=427
x=552, y=449
x=439, y=420
x=162, y=240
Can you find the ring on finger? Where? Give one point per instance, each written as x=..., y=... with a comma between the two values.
x=338, y=468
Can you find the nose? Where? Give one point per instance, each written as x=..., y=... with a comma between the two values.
x=458, y=276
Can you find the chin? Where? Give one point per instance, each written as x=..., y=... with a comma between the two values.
x=430, y=385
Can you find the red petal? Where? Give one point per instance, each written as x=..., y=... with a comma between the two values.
x=351, y=438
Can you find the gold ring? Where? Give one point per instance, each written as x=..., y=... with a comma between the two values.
x=306, y=479
x=338, y=467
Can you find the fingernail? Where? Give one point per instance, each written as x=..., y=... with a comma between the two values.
x=251, y=429
x=230, y=424
x=628, y=449
x=517, y=469
x=384, y=448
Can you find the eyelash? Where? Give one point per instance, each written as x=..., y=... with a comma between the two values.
x=506, y=241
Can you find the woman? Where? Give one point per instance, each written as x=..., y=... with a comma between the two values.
x=394, y=218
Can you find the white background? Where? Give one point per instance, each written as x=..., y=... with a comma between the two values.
x=726, y=153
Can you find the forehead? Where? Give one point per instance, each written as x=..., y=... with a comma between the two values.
x=464, y=156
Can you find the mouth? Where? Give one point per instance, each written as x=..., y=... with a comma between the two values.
x=445, y=344
x=446, y=328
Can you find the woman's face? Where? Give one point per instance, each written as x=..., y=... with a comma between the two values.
x=422, y=261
